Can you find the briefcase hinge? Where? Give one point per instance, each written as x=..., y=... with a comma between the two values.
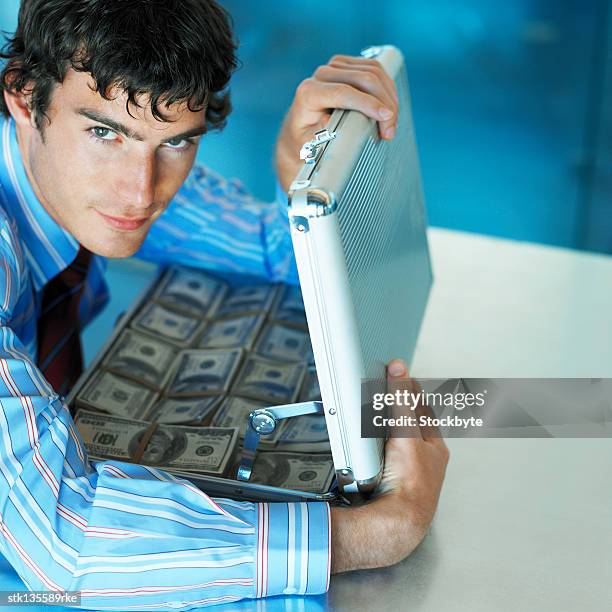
x=310, y=149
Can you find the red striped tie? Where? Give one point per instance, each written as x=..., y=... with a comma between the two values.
x=60, y=357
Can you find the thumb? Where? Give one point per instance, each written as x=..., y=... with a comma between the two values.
x=397, y=369
x=398, y=380
x=397, y=376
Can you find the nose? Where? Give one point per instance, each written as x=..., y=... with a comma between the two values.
x=138, y=180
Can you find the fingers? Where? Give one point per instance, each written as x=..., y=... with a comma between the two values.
x=430, y=432
x=369, y=80
x=355, y=84
x=401, y=386
x=374, y=68
x=316, y=96
x=365, y=79
x=423, y=413
x=398, y=378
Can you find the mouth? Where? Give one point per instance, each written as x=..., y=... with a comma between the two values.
x=126, y=224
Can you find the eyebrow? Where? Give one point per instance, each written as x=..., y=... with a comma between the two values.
x=128, y=133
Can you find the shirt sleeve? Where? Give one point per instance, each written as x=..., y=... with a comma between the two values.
x=214, y=223
x=128, y=536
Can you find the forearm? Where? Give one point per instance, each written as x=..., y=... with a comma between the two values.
x=120, y=532
x=216, y=224
x=377, y=534
x=287, y=160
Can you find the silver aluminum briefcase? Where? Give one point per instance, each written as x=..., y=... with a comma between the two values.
x=359, y=232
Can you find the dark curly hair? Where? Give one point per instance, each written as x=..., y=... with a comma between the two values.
x=169, y=50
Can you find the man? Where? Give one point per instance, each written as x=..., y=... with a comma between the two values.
x=105, y=103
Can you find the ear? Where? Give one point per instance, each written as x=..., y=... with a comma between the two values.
x=19, y=105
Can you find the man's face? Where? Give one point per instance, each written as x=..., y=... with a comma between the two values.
x=102, y=174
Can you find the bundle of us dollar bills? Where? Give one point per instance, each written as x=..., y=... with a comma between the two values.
x=206, y=450
x=176, y=386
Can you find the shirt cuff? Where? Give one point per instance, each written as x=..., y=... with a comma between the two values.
x=293, y=549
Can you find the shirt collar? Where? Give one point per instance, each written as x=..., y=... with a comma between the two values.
x=48, y=247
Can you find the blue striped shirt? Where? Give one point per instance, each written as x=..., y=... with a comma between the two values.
x=129, y=536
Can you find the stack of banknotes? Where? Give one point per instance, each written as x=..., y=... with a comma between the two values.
x=176, y=387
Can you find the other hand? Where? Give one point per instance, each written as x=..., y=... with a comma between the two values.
x=391, y=525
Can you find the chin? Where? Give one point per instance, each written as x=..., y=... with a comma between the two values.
x=115, y=247
x=120, y=253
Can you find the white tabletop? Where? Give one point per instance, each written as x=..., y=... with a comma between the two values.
x=507, y=309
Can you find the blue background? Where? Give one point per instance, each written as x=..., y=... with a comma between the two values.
x=510, y=100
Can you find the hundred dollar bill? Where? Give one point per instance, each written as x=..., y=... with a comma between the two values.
x=191, y=291
x=184, y=410
x=234, y=412
x=119, y=396
x=204, y=371
x=239, y=332
x=108, y=436
x=208, y=450
x=142, y=358
x=247, y=299
x=310, y=391
x=171, y=326
x=306, y=434
x=283, y=343
x=269, y=381
x=196, y=449
x=311, y=473
x=289, y=307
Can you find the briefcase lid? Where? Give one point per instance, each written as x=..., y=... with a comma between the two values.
x=358, y=226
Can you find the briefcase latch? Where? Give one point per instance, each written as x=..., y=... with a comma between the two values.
x=263, y=421
x=310, y=149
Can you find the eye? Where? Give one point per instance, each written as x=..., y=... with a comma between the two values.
x=104, y=133
x=178, y=143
